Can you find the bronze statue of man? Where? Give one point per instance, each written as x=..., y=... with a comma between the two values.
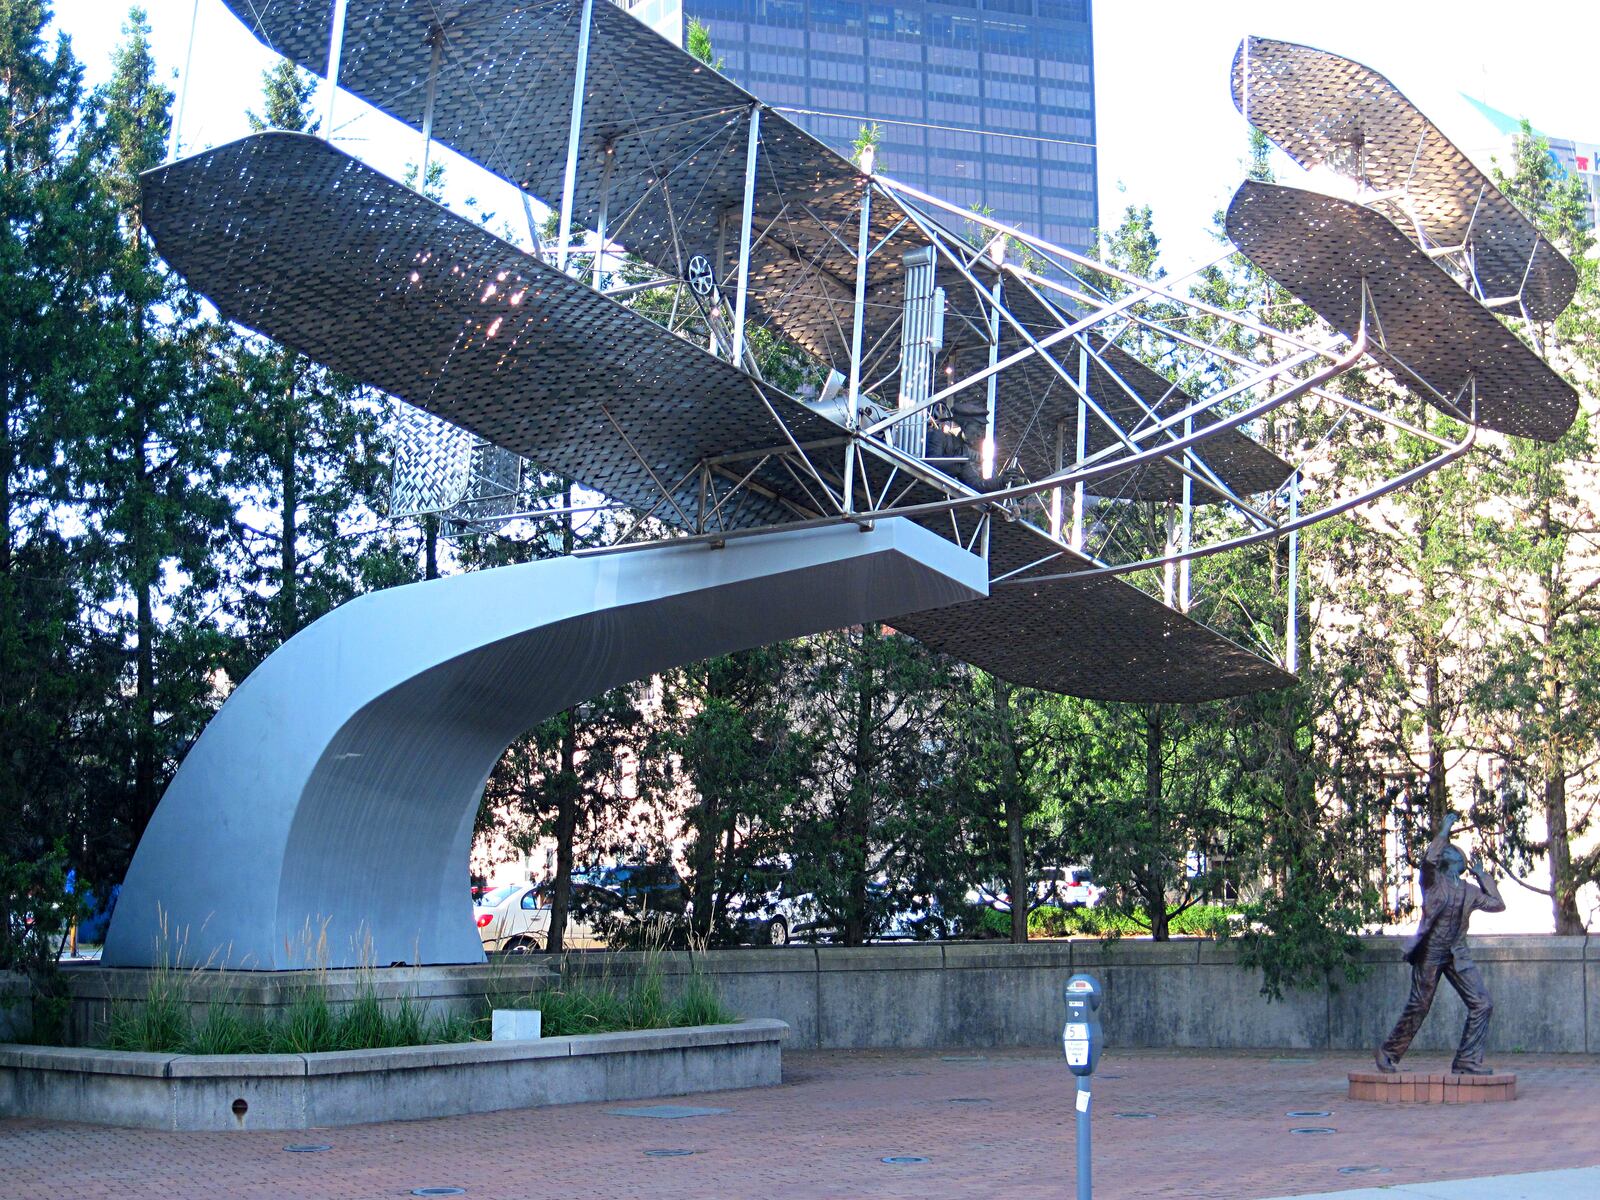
x=1440, y=948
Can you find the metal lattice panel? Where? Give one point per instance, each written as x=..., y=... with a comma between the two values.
x=432, y=462
x=294, y=238
x=1324, y=109
x=1096, y=637
x=1321, y=248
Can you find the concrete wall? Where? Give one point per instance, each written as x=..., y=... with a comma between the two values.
x=352, y=1087
x=1181, y=993
x=1188, y=993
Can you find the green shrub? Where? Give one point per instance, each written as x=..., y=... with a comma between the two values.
x=586, y=1004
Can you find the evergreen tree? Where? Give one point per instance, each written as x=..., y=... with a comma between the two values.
x=1541, y=695
x=305, y=466
x=883, y=823
x=57, y=231
x=722, y=760
x=148, y=463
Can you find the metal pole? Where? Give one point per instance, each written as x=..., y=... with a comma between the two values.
x=1187, y=527
x=991, y=394
x=1291, y=649
x=1055, y=496
x=569, y=178
x=854, y=415
x=1085, y=1181
x=335, y=53
x=436, y=40
x=183, y=86
x=742, y=290
x=1082, y=445
x=605, y=218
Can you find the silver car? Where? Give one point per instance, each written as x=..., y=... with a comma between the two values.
x=515, y=919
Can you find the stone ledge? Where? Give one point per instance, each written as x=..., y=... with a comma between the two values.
x=1416, y=1087
x=352, y=1087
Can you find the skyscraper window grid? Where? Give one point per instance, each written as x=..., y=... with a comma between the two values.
x=985, y=102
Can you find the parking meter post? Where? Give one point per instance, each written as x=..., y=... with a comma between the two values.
x=1080, y=1042
x=1085, y=1187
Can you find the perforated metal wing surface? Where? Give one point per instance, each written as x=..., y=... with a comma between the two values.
x=1324, y=250
x=1322, y=109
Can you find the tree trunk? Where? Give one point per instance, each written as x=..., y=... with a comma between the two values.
x=142, y=577
x=1155, y=889
x=289, y=564
x=858, y=816
x=566, y=828
x=430, y=546
x=1012, y=798
x=1558, y=843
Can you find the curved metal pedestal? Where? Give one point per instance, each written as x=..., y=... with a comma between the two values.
x=325, y=815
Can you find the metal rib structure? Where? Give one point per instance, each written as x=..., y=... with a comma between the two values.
x=299, y=241
x=1351, y=265
x=325, y=815
x=661, y=166
x=1324, y=110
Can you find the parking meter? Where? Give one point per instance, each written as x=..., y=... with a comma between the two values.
x=1080, y=1038
x=1080, y=1042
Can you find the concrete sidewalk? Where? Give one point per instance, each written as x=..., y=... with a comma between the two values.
x=1539, y=1185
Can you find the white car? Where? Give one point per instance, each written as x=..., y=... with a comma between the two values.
x=1068, y=887
x=515, y=919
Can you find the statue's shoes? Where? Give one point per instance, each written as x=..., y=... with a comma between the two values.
x=1386, y=1061
x=1470, y=1069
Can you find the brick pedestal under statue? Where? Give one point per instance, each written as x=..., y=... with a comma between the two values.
x=1417, y=1087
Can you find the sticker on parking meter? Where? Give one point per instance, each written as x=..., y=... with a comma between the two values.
x=1075, y=1032
x=1083, y=1101
x=1077, y=1054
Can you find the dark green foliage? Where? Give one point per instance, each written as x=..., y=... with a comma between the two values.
x=723, y=756
x=581, y=1004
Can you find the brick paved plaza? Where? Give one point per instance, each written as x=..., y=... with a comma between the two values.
x=994, y=1126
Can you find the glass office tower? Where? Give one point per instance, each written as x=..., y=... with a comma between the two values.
x=933, y=73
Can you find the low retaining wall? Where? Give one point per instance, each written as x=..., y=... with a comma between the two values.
x=352, y=1087
x=1184, y=993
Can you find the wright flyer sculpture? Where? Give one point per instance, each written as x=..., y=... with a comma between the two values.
x=1007, y=449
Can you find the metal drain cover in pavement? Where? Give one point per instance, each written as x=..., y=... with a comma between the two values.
x=961, y=1058
x=901, y=1160
x=667, y=1153
x=665, y=1112
x=307, y=1149
x=971, y=1100
x=1132, y=1116
x=1313, y=1129
x=1366, y=1170
x=1307, y=1112
x=444, y=1191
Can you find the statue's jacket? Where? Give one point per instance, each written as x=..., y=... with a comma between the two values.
x=1439, y=893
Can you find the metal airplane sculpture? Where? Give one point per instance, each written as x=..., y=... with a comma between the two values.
x=977, y=410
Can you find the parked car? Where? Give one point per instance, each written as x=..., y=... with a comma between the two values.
x=640, y=887
x=767, y=911
x=515, y=919
x=1063, y=887
x=800, y=915
x=1068, y=887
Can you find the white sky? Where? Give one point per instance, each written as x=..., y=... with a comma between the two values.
x=1169, y=134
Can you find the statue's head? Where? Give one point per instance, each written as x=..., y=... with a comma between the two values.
x=1452, y=862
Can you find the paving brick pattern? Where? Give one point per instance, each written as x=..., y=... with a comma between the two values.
x=995, y=1126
